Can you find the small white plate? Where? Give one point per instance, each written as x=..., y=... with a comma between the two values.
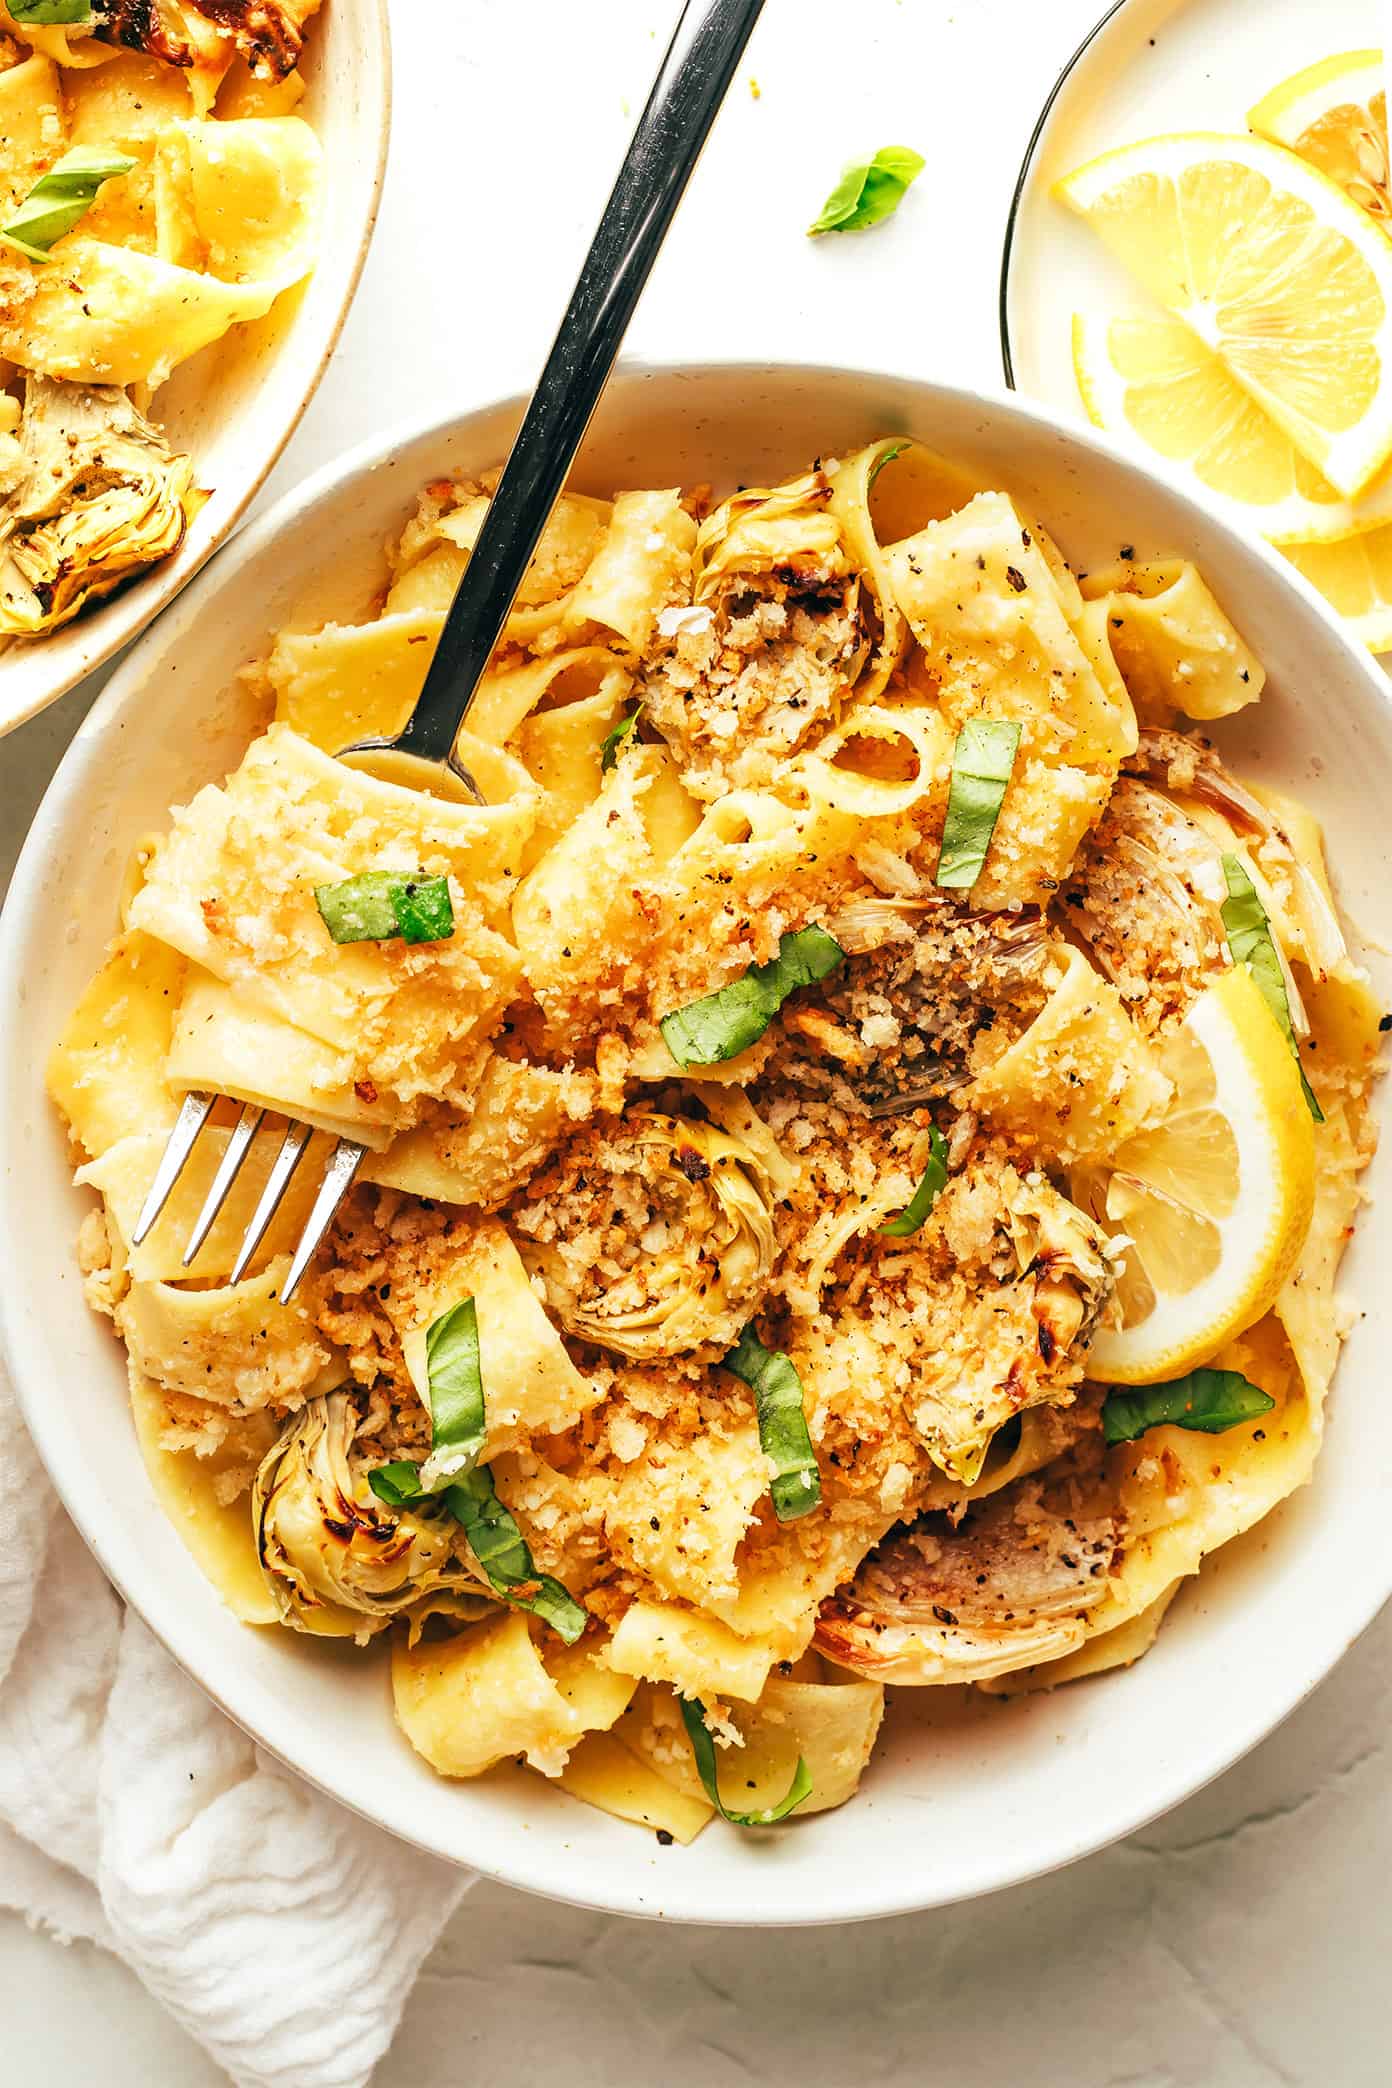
x=234, y=407
x=965, y=1794
x=1148, y=67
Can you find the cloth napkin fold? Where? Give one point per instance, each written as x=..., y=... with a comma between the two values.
x=283, y=1932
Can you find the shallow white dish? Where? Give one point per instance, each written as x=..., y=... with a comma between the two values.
x=962, y=1798
x=235, y=406
x=1149, y=66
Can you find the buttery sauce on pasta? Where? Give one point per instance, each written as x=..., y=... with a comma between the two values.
x=197, y=199
x=712, y=1336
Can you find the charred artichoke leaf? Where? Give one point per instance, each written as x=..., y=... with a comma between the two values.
x=269, y=34
x=327, y=1545
x=1070, y=1257
x=96, y=496
x=1016, y=1583
x=766, y=527
x=703, y=1262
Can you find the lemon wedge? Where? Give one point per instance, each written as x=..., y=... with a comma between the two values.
x=1355, y=578
x=1215, y=1199
x=1334, y=114
x=1272, y=266
x=1151, y=374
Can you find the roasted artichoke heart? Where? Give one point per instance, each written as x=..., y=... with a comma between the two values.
x=654, y=1237
x=94, y=496
x=1016, y=1583
x=773, y=642
x=328, y=1545
x=267, y=33
x=1070, y=1259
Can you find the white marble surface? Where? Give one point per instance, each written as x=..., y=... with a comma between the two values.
x=1243, y=1941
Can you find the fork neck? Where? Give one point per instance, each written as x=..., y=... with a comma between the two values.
x=706, y=47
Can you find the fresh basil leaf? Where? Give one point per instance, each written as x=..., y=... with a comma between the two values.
x=931, y=1186
x=455, y=1378
x=796, y=1486
x=613, y=742
x=61, y=197
x=1250, y=942
x=1207, y=1400
x=728, y=1022
x=693, y=1713
x=501, y=1550
x=71, y=14
x=396, y=1484
x=424, y=910
x=982, y=759
x=887, y=455
x=384, y=905
x=869, y=191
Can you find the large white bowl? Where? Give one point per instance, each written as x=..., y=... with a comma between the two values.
x=235, y=406
x=962, y=1797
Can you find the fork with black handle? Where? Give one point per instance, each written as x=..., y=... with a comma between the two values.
x=700, y=63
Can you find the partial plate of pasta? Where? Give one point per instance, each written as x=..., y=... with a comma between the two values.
x=863, y=1128
x=186, y=198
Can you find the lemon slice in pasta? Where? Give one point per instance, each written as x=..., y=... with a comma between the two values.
x=1270, y=264
x=1150, y=373
x=1215, y=1199
x=1334, y=114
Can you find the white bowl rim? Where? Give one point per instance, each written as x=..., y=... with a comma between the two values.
x=111, y=625
x=1062, y=1842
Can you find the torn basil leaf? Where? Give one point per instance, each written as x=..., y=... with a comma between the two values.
x=693, y=1713
x=61, y=197
x=1251, y=942
x=1207, y=1400
x=69, y=14
x=796, y=1485
x=424, y=910
x=613, y=743
x=728, y=1022
x=396, y=1484
x=501, y=1550
x=455, y=1378
x=869, y=191
x=887, y=455
x=982, y=759
x=931, y=1186
x=386, y=906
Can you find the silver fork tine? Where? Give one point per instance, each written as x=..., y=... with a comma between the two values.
x=192, y=1116
x=229, y=1167
x=297, y=1137
x=344, y=1163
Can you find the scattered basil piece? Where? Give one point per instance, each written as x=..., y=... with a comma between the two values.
x=424, y=910
x=728, y=1022
x=501, y=1550
x=930, y=1188
x=887, y=455
x=613, y=742
x=455, y=1377
x=396, y=1484
x=384, y=906
x=72, y=14
x=869, y=191
x=982, y=759
x=1251, y=943
x=61, y=197
x=494, y=1539
x=796, y=1486
x=693, y=1713
x=1207, y=1400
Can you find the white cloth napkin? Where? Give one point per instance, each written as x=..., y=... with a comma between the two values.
x=283, y=1932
